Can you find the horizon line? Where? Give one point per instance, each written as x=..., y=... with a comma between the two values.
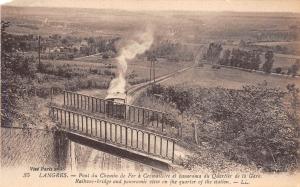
x=143, y=10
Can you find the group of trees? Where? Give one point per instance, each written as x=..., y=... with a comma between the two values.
x=22, y=43
x=99, y=45
x=293, y=70
x=213, y=52
x=241, y=58
x=180, y=98
x=68, y=47
x=253, y=125
x=88, y=45
x=247, y=59
x=172, y=51
x=277, y=35
x=249, y=126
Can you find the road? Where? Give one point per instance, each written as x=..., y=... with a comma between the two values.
x=79, y=58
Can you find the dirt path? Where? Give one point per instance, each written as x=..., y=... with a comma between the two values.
x=80, y=58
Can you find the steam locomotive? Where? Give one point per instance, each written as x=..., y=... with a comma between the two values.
x=115, y=105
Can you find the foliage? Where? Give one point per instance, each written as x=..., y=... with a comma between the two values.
x=278, y=70
x=267, y=66
x=293, y=92
x=17, y=73
x=72, y=71
x=180, y=98
x=293, y=70
x=241, y=58
x=173, y=51
x=249, y=126
x=64, y=70
x=213, y=52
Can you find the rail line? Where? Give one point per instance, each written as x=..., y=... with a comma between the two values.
x=120, y=112
x=138, y=87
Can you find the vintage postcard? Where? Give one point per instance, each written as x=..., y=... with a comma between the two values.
x=150, y=93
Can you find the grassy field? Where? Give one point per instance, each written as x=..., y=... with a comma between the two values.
x=227, y=78
x=138, y=70
x=141, y=68
x=194, y=26
x=21, y=148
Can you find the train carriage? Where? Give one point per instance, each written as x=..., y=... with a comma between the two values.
x=115, y=105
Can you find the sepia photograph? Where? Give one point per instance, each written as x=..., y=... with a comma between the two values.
x=150, y=93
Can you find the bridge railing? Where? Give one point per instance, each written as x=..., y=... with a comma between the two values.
x=130, y=113
x=121, y=135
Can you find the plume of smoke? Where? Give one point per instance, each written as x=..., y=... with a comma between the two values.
x=129, y=52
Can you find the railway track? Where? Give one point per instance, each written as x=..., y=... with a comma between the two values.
x=135, y=88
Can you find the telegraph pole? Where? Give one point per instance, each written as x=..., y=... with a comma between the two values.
x=152, y=60
x=153, y=71
x=39, y=50
x=150, y=70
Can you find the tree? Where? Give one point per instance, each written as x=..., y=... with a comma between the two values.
x=9, y=87
x=65, y=41
x=248, y=125
x=213, y=52
x=278, y=70
x=17, y=73
x=293, y=91
x=182, y=100
x=242, y=43
x=256, y=60
x=293, y=70
x=91, y=40
x=267, y=66
x=225, y=60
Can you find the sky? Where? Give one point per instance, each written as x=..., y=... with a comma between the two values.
x=152, y=5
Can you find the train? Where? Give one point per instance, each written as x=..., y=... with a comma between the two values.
x=115, y=105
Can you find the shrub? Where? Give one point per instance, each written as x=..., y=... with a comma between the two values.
x=293, y=70
x=278, y=70
x=109, y=73
x=249, y=126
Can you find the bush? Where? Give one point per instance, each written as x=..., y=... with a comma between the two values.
x=155, y=89
x=248, y=126
x=278, y=70
x=293, y=70
x=109, y=73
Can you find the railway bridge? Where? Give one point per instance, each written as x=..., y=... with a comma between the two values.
x=132, y=132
